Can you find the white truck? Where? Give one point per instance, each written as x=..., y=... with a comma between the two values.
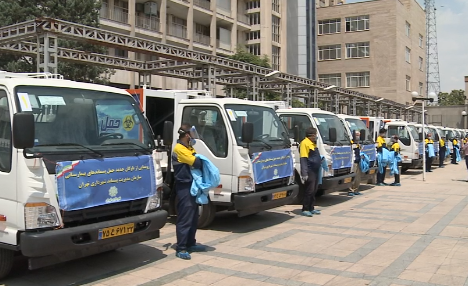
x=333, y=142
x=367, y=144
x=245, y=139
x=78, y=172
x=435, y=137
x=374, y=124
x=410, y=143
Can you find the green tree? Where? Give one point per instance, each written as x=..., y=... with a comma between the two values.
x=84, y=12
x=456, y=97
x=296, y=103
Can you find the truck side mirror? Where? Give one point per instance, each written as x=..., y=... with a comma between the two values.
x=23, y=130
x=332, y=134
x=363, y=135
x=247, y=132
x=296, y=134
x=168, y=133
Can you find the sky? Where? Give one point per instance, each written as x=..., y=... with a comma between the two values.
x=452, y=37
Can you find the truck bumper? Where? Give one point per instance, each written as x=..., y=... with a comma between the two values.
x=369, y=174
x=335, y=184
x=250, y=203
x=55, y=246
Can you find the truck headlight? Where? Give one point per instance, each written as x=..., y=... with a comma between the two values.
x=246, y=184
x=154, y=201
x=40, y=215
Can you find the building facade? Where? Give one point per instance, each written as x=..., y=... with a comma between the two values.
x=376, y=47
x=217, y=27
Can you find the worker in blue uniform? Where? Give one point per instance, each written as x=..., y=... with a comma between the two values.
x=183, y=159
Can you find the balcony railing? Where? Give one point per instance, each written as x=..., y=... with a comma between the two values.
x=147, y=22
x=205, y=4
x=177, y=30
x=201, y=39
x=243, y=18
x=117, y=14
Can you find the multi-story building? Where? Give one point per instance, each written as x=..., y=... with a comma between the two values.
x=217, y=27
x=376, y=47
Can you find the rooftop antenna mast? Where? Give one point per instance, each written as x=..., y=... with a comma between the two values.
x=432, y=53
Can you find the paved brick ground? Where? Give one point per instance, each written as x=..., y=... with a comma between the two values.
x=410, y=235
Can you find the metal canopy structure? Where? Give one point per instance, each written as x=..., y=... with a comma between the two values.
x=39, y=38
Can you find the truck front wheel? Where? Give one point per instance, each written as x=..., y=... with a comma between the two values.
x=6, y=262
x=206, y=214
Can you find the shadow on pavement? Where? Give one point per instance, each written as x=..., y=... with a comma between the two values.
x=86, y=270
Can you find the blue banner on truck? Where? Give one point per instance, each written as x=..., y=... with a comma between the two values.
x=271, y=165
x=370, y=151
x=342, y=157
x=88, y=183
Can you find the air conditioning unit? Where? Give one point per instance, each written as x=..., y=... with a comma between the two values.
x=151, y=8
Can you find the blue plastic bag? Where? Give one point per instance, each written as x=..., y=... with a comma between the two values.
x=323, y=167
x=430, y=150
x=365, y=162
x=204, y=180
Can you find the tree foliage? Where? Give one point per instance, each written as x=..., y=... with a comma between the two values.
x=84, y=12
x=456, y=97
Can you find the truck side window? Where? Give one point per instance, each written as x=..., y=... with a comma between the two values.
x=5, y=133
x=291, y=120
x=401, y=132
x=210, y=127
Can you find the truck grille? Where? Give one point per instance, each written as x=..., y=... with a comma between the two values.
x=283, y=182
x=341, y=172
x=103, y=213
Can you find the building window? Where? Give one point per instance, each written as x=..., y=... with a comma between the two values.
x=408, y=29
x=276, y=5
x=330, y=26
x=254, y=49
x=253, y=4
x=421, y=61
x=408, y=55
x=275, y=24
x=254, y=18
x=331, y=79
x=357, y=50
x=421, y=88
x=358, y=79
x=408, y=83
x=275, y=57
x=332, y=52
x=421, y=40
x=254, y=35
x=121, y=53
x=358, y=23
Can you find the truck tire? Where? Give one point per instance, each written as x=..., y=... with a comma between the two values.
x=207, y=214
x=300, y=195
x=6, y=262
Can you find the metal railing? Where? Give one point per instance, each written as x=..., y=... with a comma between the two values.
x=201, y=39
x=205, y=4
x=177, y=30
x=117, y=14
x=148, y=22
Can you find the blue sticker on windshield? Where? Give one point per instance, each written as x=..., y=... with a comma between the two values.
x=117, y=116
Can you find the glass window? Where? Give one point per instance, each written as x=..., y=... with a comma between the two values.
x=331, y=79
x=275, y=24
x=276, y=6
x=93, y=119
x=254, y=18
x=5, y=133
x=421, y=40
x=356, y=124
x=210, y=127
x=275, y=57
x=254, y=35
x=332, y=52
x=329, y=26
x=254, y=49
x=408, y=55
x=358, y=23
x=401, y=132
x=421, y=87
x=408, y=83
x=358, y=79
x=325, y=122
x=293, y=120
x=357, y=50
x=414, y=132
x=408, y=29
x=253, y=4
x=421, y=63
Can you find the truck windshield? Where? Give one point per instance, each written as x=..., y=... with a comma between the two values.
x=268, y=129
x=325, y=122
x=358, y=125
x=85, y=119
x=414, y=132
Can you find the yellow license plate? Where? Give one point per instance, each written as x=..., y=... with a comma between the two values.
x=371, y=171
x=348, y=180
x=117, y=230
x=279, y=195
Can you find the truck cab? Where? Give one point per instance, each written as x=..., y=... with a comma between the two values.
x=245, y=139
x=435, y=137
x=374, y=124
x=409, y=143
x=78, y=172
x=333, y=142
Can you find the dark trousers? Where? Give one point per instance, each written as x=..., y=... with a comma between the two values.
x=311, y=186
x=428, y=162
x=187, y=216
x=381, y=176
x=466, y=161
x=397, y=178
x=442, y=151
x=454, y=155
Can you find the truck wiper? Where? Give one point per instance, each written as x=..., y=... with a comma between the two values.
x=73, y=144
x=266, y=144
x=128, y=143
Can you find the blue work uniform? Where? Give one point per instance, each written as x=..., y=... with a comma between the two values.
x=310, y=167
x=183, y=159
x=380, y=145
